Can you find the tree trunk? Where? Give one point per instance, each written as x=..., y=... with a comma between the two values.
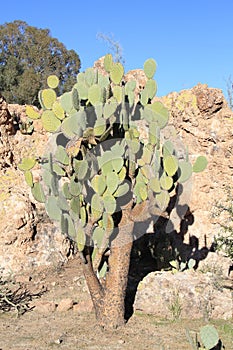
x=109, y=299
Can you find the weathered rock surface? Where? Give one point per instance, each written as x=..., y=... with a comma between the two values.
x=185, y=294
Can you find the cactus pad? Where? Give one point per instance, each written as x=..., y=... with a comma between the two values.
x=53, y=81
x=149, y=68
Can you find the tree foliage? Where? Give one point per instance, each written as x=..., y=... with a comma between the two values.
x=28, y=55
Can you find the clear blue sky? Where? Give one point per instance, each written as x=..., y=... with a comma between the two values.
x=192, y=41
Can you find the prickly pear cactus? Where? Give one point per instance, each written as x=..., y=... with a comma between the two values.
x=99, y=162
x=209, y=336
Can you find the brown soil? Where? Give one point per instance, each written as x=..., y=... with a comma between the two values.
x=43, y=328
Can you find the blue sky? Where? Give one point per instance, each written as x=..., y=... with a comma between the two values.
x=191, y=41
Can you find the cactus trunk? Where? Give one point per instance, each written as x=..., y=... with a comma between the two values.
x=109, y=298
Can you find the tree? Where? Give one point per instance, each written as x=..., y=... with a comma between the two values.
x=103, y=175
x=28, y=55
x=114, y=46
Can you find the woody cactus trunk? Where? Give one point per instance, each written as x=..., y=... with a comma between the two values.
x=100, y=176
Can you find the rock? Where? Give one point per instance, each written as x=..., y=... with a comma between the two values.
x=216, y=263
x=6, y=130
x=44, y=307
x=83, y=306
x=184, y=294
x=65, y=305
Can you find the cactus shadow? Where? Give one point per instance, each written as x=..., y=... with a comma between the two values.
x=154, y=250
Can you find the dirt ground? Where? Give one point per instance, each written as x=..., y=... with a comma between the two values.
x=48, y=327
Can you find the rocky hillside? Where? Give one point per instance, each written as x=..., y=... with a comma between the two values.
x=204, y=124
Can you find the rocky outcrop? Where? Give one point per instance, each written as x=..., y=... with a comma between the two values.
x=6, y=130
x=205, y=125
x=189, y=294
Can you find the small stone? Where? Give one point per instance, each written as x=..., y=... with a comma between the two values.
x=65, y=305
x=83, y=306
x=45, y=307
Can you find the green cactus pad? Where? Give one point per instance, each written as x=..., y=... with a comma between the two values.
x=185, y=171
x=75, y=188
x=143, y=192
x=98, y=183
x=71, y=127
x=200, y=164
x=131, y=98
x=32, y=113
x=166, y=182
x=100, y=126
x=66, y=102
x=103, y=270
x=61, y=155
x=154, y=185
x=96, y=207
x=48, y=97
x=54, y=185
x=118, y=150
x=117, y=93
x=144, y=97
x=168, y=148
x=66, y=191
x=50, y=122
x=89, y=76
x=105, y=158
x=40, y=100
x=130, y=86
x=122, y=190
x=151, y=88
x=160, y=113
x=162, y=200
x=81, y=77
x=75, y=205
x=28, y=178
x=95, y=94
x=64, y=224
x=110, y=108
x=46, y=177
x=209, y=336
x=53, y=81
x=83, y=170
x=62, y=202
x=98, y=235
x=170, y=164
x=122, y=174
x=116, y=73
x=109, y=203
x=117, y=164
x=108, y=62
x=83, y=216
x=82, y=89
x=58, y=170
x=149, y=68
x=27, y=164
x=38, y=192
x=52, y=209
x=75, y=99
x=112, y=182
x=71, y=227
x=58, y=110
x=103, y=81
